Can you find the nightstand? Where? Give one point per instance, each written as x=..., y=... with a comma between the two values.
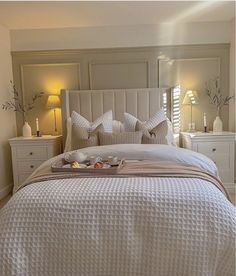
x=217, y=146
x=29, y=153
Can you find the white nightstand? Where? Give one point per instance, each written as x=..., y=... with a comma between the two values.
x=217, y=146
x=29, y=153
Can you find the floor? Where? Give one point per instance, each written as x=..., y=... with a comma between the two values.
x=5, y=200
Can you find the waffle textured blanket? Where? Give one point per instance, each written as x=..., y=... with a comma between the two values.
x=119, y=226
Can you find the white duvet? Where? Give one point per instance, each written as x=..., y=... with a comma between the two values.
x=120, y=226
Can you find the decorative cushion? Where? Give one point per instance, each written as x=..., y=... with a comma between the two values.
x=105, y=120
x=120, y=138
x=117, y=126
x=81, y=138
x=130, y=120
x=161, y=134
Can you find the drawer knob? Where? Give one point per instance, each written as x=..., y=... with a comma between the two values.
x=214, y=149
x=31, y=153
x=31, y=166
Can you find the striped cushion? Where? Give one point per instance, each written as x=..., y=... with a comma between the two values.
x=130, y=120
x=120, y=138
x=105, y=119
x=81, y=138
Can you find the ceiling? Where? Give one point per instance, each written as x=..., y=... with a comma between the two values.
x=64, y=14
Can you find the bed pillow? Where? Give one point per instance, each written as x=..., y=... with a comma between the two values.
x=81, y=138
x=105, y=119
x=161, y=134
x=120, y=138
x=130, y=120
x=117, y=126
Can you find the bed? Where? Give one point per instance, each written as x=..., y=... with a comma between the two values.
x=174, y=220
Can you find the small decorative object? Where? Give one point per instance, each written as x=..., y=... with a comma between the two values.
x=217, y=124
x=216, y=98
x=54, y=102
x=26, y=130
x=38, y=133
x=191, y=98
x=205, y=122
x=17, y=105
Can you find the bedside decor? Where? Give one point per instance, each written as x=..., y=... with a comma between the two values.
x=205, y=122
x=54, y=102
x=26, y=130
x=191, y=98
x=216, y=98
x=18, y=105
x=38, y=132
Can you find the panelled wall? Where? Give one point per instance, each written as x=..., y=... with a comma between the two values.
x=189, y=66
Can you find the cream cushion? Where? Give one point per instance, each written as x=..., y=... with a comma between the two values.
x=130, y=120
x=81, y=138
x=105, y=119
x=160, y=134
x=120, y=138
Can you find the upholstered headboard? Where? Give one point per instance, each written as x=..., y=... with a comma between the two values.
x=143, y=103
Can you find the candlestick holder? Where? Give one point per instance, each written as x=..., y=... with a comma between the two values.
x=38, y=133
x=205, y=129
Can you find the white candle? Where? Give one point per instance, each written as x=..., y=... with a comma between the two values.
x=37, y=124
x=204, y=119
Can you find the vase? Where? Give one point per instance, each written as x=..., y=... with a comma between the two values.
x=217, y=125
x=26, y=130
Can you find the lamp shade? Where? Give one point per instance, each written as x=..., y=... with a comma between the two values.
x=53, y=101
x=191, y=97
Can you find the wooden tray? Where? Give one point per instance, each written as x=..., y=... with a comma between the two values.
x=58, y=167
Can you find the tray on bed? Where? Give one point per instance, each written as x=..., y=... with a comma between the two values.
x=59, y=167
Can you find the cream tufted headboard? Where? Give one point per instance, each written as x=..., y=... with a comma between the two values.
x=142, y=102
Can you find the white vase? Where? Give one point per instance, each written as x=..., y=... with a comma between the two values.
x=26, y=130
x=217, y=125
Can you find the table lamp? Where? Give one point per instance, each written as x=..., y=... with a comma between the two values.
x=54, y=102
x=191, y=98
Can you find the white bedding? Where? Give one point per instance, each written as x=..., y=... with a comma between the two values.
x=120, y=226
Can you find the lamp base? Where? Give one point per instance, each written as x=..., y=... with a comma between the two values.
x=191, y=127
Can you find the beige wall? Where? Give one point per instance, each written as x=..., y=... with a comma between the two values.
x=232, y=120
x=122, y=68
x=121, y=36
x=7, y=119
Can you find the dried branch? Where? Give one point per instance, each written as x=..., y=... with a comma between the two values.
x=213, y=92
x=16, y=103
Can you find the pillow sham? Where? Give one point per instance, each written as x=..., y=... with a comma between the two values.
x=161, y=134
x=105, y=119
x=81, y=138
x=130, y=120
x=120, y=138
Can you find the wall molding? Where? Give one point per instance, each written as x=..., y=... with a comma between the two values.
x=115, y=63
x=6, y=190
x=119, y=50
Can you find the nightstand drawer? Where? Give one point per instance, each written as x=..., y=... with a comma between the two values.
x=29, y=166
x=31, y=152
x=214, y=148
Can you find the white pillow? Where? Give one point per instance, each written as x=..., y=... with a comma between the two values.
x=117, y=126
x=130, y=120
x=105, y=119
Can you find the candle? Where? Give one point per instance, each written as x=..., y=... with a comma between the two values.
x=204, y=119
x=37, y=124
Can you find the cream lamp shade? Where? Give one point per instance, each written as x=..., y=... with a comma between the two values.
x=53, y=102
x=191, y=98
